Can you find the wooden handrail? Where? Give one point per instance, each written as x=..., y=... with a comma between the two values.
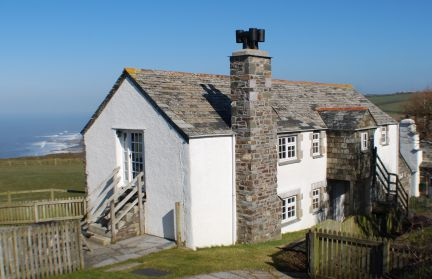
x=118, y=192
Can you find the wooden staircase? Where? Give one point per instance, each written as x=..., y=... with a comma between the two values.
x=118, y=212
x=387, y=189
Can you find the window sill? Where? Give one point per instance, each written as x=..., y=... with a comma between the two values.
x=288, y=162
x=317, y=156
x=317, y=211
x=384, y=144
x=287, y=223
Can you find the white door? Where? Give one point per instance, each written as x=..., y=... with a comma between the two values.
x=133, y=154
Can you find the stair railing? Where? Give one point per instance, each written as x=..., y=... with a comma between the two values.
x=387, y=185
x=123, y=201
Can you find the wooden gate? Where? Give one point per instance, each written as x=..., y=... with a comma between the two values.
x=40, y=250
x=334, y=254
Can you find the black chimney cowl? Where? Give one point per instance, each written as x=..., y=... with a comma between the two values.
x=251, y=38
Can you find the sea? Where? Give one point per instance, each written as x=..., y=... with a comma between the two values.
x=37, y=135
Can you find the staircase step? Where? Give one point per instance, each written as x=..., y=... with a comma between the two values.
x=99, y=230
x=100, y=240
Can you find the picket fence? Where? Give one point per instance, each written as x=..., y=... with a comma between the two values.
x=338, y=254
x=40, y=250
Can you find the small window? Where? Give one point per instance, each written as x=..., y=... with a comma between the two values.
x=315, y=144
x=316, y=199
x=288, y=148
x=384, y=135
x=289, y=210
x=364, y=141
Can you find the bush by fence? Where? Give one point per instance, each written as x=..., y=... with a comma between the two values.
x=40, y=250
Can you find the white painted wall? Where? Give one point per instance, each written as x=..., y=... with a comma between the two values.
x=410, y=150
x=211, y=192
x=389, y=153
x=301, y=176
x=166, y=156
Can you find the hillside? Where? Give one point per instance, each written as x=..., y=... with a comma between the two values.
x=393, y=104
x=62, y=171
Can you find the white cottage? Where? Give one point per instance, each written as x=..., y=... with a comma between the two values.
x=247, y=157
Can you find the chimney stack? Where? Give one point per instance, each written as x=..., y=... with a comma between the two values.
x=253, y=121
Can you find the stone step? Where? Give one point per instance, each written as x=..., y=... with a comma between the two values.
x=100, y=240
x=95, y=228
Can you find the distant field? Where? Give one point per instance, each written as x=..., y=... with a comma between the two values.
x=392, y=104
x=32, y=173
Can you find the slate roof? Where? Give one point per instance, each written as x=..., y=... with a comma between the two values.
x=346, y=119
x=200, y=104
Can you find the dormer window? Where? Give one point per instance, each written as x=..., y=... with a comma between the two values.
x=364, y=141
x=287, y=148
x=384, y=135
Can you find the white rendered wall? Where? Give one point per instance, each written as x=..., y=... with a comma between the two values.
x=211, y=192
x=389, y=153
x=301, y=176
x=165, y=159
x=410, y=150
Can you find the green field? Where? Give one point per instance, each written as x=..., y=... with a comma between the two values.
x=392, y=104
x=65, y=171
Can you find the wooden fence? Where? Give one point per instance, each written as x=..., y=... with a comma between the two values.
x=336, y=254
x=42, y=211
x=41, y=250
x=42, y=194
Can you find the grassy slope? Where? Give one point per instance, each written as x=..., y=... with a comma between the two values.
x=392, y=104
x=183, y=262
x=61, y=171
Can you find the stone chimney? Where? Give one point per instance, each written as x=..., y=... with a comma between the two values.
x=253, y=121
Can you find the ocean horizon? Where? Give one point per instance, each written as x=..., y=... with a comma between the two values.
x=38, y=135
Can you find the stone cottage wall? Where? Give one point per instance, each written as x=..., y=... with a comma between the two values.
x=346, y=161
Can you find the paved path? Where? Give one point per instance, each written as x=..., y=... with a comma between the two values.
x=123, y=250
x=245, y=274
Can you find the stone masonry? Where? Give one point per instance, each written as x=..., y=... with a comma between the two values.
x=253, y=121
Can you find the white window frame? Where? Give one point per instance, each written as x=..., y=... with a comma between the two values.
x=364, y=141
x=287, y=148
x=289, y=208
x=384, y=135
x=316, y=141
x=132, y=154
x=316, y=199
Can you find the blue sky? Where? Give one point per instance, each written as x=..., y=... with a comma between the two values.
x=62, y=57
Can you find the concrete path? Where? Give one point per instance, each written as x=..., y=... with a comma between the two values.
x=123, y=250
x=245, y=274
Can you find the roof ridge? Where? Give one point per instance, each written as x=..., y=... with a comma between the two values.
x=133, y=71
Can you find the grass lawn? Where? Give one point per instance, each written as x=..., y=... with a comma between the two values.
x=184, y=262
x=33, y=173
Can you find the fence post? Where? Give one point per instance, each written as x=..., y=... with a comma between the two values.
x=52, y=194
x=140, y=208
x=386, y=256
x=80, y=243
x=36, y=217
x=113, y=221
x=178, y=223
x=9, y=197
x=310, y=253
